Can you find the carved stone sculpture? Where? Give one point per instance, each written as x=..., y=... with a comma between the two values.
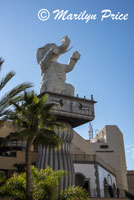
x=53, y=73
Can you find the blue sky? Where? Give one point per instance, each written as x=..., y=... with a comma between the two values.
x=106, y=47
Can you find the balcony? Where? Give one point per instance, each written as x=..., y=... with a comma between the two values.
x=74, y=110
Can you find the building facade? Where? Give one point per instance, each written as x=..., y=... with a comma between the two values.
x=108, y=148
x=99, y=164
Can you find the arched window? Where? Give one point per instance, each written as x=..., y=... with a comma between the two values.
x=109, y=180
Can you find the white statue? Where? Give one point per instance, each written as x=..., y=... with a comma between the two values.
x=53, y=73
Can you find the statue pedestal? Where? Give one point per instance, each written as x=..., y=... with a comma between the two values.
x=73, y=111
x=59, y=159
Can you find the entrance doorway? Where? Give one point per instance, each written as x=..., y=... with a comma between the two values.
x=79, y=179
x=82, y=181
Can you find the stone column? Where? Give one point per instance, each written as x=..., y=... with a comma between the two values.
x=59, y=159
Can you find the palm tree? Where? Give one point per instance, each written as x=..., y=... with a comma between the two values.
x=35, y=124
x=45, y=186
x=13, y=94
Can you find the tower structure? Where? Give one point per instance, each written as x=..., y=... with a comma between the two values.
x=90, y=131
x=72, y=111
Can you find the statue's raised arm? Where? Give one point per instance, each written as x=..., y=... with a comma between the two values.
x=53, y=73
x=74, y=58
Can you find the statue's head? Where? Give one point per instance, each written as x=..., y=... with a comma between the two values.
x=55, y=49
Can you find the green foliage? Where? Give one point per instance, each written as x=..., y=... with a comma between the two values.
x=35, y=124
x=45, y=186
x=15, y=187
x=2, y=177
x=13, y=95
x=46, y=183
x=73, y=193
x=34, y=121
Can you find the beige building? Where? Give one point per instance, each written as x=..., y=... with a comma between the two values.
x=13, y=153
x=108, y=147
x=99, y=164
x=130, y=179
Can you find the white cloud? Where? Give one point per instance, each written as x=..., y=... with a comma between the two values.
x=130, y=150
x=130, y=145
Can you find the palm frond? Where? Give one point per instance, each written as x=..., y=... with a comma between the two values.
x=23, y=135
x=4, y=113
x=1, y=62
x=16, y=99
x=48, y=138
x=35, y=121
x=5, y=100
x=5, y=80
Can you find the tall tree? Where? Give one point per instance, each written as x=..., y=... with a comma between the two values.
x=35, y=124
x=13, y=95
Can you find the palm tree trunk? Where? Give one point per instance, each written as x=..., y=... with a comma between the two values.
x=28, y=171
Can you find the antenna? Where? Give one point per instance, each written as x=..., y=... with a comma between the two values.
x=90, y=131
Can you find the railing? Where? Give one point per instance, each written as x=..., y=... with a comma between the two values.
x=110, y=193
x=92, y=157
